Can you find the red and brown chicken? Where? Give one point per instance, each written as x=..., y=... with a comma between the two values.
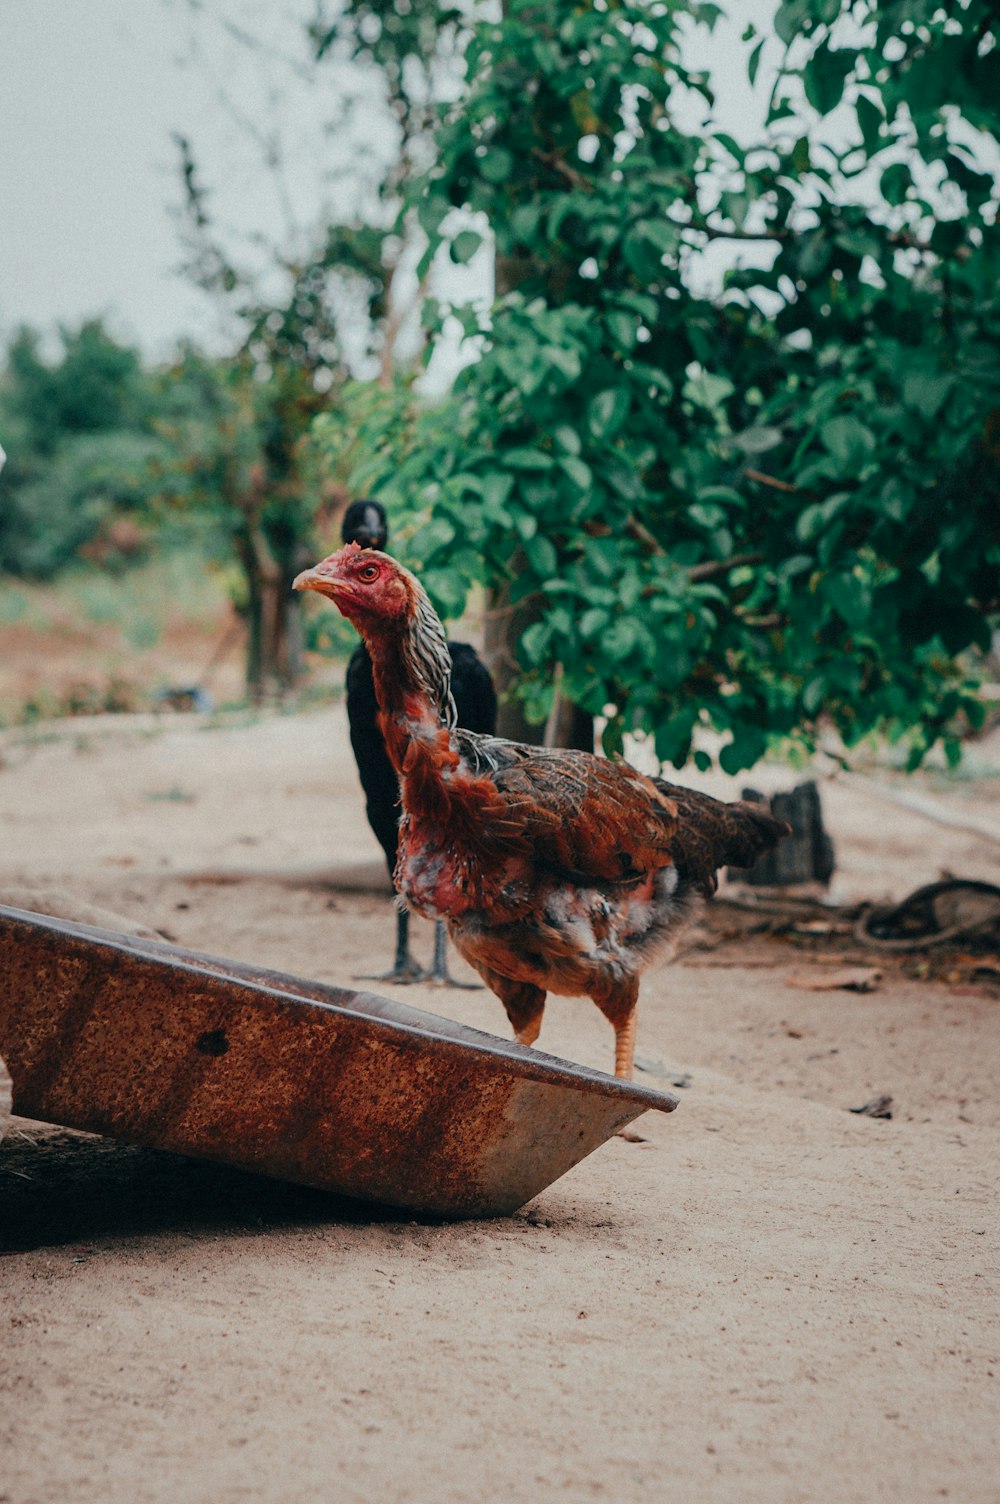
x=555, y=871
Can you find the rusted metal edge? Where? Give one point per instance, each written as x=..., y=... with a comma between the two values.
x=434, y=1032
x=349, y=1093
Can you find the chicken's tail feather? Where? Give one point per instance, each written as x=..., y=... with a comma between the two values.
x=712, y=834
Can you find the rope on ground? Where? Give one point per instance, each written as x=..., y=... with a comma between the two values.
x=938, y=914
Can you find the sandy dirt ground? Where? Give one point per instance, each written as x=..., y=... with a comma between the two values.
x=767, y=1299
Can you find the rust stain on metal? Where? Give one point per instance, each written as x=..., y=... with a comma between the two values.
x=336, y=1089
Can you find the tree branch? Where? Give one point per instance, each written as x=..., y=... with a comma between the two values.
x=770, y=480
x=715, y=232
x=637, y=530
x=558, y=164
x=712, y=567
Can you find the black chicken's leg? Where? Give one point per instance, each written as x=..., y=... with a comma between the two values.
x=405, y=968
x=439, y=975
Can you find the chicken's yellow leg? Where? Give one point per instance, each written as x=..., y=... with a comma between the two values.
x=625, y=1047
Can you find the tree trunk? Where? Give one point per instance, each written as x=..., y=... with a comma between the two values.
x=568, y=725
x=506, y=623
x=274, y=640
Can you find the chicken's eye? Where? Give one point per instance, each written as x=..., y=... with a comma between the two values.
x=368, y=572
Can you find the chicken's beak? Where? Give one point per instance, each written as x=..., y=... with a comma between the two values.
x=316, y=579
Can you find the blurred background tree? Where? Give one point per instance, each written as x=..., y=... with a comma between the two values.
x=78, y=430
x=772, y=510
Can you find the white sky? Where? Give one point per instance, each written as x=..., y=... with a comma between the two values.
x=90, y=92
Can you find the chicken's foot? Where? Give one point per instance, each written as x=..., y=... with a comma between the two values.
x=406, y=969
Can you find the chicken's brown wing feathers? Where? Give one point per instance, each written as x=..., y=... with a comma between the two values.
x=588, y=818
x=585, y=817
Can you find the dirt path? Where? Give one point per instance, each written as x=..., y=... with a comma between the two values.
x=770, y=1299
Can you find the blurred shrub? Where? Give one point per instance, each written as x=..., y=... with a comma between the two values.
x=81, y=452
x=88, y=498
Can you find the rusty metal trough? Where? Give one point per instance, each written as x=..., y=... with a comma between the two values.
x=345, y=1091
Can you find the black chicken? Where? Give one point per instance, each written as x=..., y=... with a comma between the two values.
x=365, y=524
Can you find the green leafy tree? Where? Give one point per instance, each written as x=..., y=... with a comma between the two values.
x=771, y=509
x=77, y=432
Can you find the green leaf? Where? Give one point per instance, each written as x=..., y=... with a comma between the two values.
x=747, y=747
x=593, y=621
x=848, y=441
x=641, y=303
x=708, y=517
x=497, y=164
x=788, y=569
x=662, y=234
x=620, y=638
x=653, y=377
x=851, y=597
x=726, y=495
x=673, y=739
x=541, y=555
x=642, y=257
x=927, y=391
x=524, y=222
x=757, y=440
x=613, y=738
x=535, y=642
x=622, y=329
x=895, y=183
x=526, y=459
x=813, y=695
x=814, y=253
x=565, y=360
x=578, y=471
x=708, y=390
x=870, y=121
x=790, y=19
x=814, y=521
x=496, y=487
x=446, y=589
x=465, y=245
x=567, y=438
x=730, y=145
x=607, y=412
x=825, y=74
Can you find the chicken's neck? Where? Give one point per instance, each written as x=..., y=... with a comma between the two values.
x=411, y=667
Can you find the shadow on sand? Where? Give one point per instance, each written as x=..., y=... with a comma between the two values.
x=58, y=1187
